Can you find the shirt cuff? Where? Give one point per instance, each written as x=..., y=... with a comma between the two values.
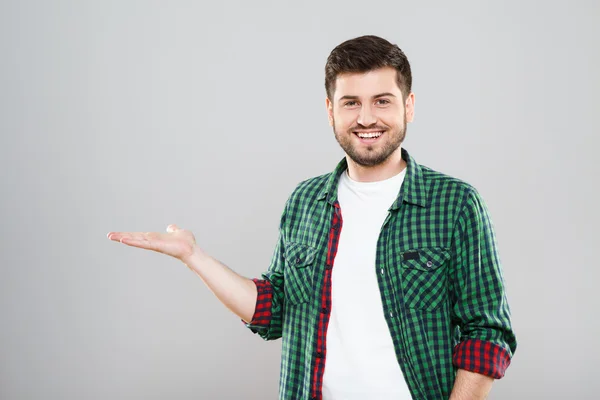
x=482, y=357
x=264, y=302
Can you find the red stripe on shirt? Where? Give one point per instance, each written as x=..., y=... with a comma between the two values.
x=325, y=312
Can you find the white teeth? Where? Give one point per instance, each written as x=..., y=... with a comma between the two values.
x=369, y=135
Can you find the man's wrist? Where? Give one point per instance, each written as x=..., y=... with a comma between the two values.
x=196, y=257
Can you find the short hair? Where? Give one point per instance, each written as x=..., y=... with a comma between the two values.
x=364, y=54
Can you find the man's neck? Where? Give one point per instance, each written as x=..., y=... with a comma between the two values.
x=389, y=168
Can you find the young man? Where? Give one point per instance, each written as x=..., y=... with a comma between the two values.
x=385, y=282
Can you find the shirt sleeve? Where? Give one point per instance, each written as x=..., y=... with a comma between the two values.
x=268, y=312
x=479, y=304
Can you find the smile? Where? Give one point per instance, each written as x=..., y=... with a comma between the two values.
x=368, y=137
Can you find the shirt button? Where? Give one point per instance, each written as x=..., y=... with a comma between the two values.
x=429, y=264
x=382, y=272
x=298, y=261
x=391, y=314
x=324, y=310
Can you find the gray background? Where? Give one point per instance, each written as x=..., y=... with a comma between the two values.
x=130, y=115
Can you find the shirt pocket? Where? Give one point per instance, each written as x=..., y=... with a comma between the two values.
x=424, y=277
x=298, y=272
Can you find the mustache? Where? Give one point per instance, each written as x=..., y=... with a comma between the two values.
x=362, y=127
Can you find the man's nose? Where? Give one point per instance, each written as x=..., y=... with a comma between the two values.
x=366, y=116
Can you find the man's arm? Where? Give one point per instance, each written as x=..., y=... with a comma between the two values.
x=258, y=302
x=471, y=386
x=267, y=320
x=479, y=305
x=236, y=292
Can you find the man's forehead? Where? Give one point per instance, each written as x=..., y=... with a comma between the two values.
x=367, y=83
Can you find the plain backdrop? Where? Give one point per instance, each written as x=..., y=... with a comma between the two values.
x=131, y=115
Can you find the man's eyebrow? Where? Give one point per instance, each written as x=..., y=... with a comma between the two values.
x=348, y=97
x=384, y=94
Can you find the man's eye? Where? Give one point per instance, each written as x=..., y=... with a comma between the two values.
x=350, y=103
x=383, y=101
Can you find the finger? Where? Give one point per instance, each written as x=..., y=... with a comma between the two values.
x=142, y=243
x=118, y=236
x=110, y=235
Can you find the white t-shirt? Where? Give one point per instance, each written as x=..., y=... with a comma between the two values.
x=361, y=362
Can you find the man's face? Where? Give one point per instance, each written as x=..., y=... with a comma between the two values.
x=368, y=115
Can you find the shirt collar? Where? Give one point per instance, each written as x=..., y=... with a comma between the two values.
x=412, y=190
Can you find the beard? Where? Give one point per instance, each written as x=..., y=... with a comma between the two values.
x=371, y=155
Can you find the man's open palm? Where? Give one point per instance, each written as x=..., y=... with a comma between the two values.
x=178, y=243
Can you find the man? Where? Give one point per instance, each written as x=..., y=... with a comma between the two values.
x=385, y=282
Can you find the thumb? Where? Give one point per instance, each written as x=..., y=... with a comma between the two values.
x=172, y=228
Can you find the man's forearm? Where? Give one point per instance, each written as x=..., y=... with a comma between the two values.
x=471, y=386
x=236, y=292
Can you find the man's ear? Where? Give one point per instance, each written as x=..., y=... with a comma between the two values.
x=409, y=107
x=329, y=106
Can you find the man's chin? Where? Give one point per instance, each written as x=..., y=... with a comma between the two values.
x=370, y=158
x=368, y=161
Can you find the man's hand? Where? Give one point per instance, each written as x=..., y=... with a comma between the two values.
x=471, y=386
x=237, y=293
x=177, y=242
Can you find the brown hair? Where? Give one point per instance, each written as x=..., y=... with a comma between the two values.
x=363, y=54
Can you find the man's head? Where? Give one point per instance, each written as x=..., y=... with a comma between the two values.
x=369, y=99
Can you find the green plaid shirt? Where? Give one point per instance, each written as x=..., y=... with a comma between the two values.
x=438, y=271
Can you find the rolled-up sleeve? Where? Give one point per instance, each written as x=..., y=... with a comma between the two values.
x=479, y=303
x=268, y=313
